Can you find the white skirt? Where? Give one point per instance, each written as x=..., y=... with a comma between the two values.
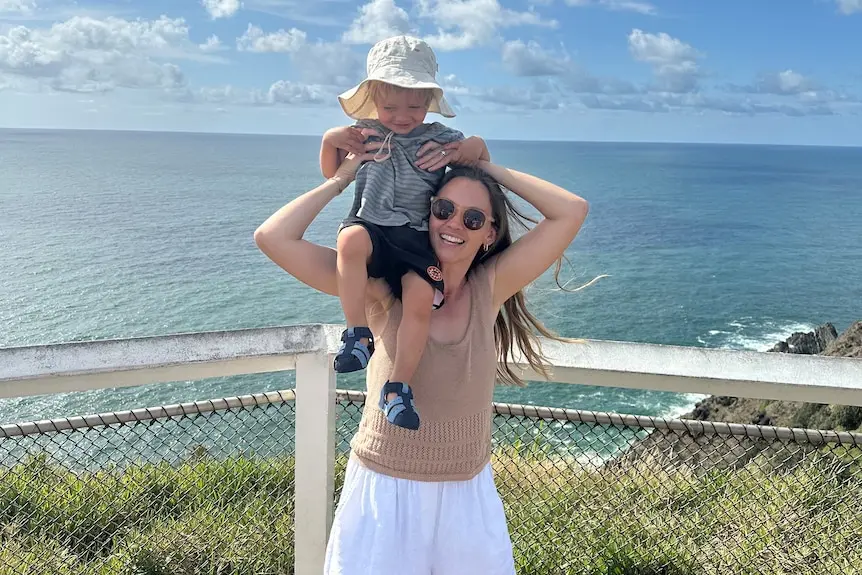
x=389, y=526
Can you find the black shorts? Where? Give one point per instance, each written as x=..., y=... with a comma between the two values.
x=396, y=250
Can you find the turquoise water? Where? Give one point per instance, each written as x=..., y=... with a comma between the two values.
x=112, y=234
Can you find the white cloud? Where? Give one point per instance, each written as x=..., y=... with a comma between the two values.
x=519, y=98
x=17, y=6
x=329, y=63
x=88, y=54
x=328, y=13
x=213, y=44
x=219, y=95
x=453, y=86
x=698, y=103
x=284, y=92
x=659, y=49
x=849, y=6
x=377, y=20
x=531, y=59
x=786, y=82
x=618, y=5
x=463, y=24
x=326, y=63
x=47, y=12
x=673, y=61
x=221, y=8
x=255, y=40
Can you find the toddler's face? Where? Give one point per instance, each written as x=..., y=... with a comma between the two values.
x=401, y=111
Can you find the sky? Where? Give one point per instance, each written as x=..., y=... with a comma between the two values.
x=729, y=71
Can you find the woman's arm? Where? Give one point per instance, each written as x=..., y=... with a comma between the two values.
x=534, y=252
x=280, y=236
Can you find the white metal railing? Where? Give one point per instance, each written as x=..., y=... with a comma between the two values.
x=309, y=349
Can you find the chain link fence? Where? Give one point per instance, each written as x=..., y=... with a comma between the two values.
x=206, y=488
x=199, y=488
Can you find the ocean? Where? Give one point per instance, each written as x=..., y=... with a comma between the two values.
x=121, y=234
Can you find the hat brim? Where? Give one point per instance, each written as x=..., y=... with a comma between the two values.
x=358, y=104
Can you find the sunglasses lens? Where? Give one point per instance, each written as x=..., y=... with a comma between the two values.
x=473, y=219
x=442, y=209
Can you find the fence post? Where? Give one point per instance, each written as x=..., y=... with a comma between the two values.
x=315, y=460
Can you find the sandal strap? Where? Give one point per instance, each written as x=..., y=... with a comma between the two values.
x=351, y=337
x=396, y=405
x=402, y=402
x=402, y=389
x=357, y=333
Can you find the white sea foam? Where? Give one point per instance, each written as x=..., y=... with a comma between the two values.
x=752, y=334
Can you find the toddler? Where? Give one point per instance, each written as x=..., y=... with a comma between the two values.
x=385, y=234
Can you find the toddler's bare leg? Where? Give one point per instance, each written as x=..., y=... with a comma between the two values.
x=354, y=248
x=417, y=298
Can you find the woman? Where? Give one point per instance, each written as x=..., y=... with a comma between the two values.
x=423, y=501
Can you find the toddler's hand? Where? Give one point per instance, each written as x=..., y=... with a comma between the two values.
x=348, y=138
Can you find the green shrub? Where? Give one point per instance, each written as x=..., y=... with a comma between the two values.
x=235, y=517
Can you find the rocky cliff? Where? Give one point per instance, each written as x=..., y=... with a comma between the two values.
x=704, y=453
x=823, y=341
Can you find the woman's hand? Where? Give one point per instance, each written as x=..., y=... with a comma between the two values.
x=467, y=152
x=533, y=252
x=346, y=172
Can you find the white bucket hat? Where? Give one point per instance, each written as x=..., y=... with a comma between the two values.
x=402, y=61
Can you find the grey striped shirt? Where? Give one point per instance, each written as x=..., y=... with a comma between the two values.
x=395, y=192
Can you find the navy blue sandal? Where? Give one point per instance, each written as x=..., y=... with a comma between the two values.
x=353, y=355
x=401, y=411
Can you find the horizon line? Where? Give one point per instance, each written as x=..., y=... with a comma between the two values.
x=288, y=135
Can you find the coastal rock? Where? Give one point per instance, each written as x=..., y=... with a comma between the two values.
x=848, y=344
x=824, y=340
x=810, y=343
x=700, y=453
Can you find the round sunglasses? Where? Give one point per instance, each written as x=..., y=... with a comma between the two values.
x=443, y=209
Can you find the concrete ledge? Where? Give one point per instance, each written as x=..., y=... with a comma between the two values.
x=114, y=363
x=762, y=375
x=78, y=366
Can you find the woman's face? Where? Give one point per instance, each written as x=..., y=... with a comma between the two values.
x=460, y=206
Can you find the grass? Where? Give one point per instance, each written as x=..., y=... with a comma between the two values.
x=234, y=517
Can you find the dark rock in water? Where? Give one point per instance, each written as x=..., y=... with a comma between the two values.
x=811, y=343
x=848, y=344
x=761, y=419
x=703, y=410
x=822, y=341
x=699, y=453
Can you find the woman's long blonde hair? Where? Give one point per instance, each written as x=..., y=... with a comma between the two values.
x=515, y=324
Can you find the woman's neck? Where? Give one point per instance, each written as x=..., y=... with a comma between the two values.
x=454, y=278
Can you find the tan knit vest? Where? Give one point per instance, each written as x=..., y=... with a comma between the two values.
x=453, y=389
